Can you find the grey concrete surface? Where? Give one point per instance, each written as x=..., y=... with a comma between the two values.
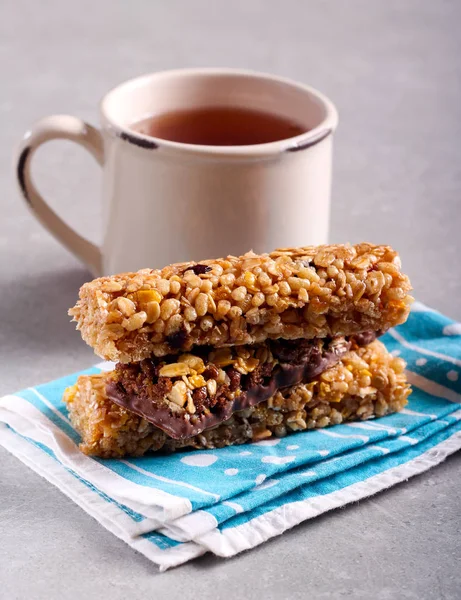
x=394, y=70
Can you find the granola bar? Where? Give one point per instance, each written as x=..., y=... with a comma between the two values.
x=367, y=381
x=310, y=292
x=186, y=394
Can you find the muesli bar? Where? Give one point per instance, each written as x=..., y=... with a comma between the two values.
x=366, y=382
x=310, y=292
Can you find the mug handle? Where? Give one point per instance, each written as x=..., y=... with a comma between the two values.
x=59, y=127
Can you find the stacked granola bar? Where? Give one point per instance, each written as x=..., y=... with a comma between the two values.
x=239, y=349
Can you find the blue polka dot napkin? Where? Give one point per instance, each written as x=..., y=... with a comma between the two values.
x=175, y=508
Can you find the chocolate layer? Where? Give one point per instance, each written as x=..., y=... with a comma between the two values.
x=297, y=362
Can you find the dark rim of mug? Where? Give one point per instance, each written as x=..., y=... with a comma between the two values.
x=303, y=141
x=149, y=143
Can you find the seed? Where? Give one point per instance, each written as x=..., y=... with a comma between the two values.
x=217, y=269
x=264, y=280
x=308, y=273
x=252, y=316
x=258, y=299
x=136, y=321
x=223, y=308
x=175, y=287
x=235, y=312
x=186, y=382
x=173, y=324
x=153, y=311
x=297, y=425
x=227, y=279
x=163, y=286
x=296, y=283
x=206, y=286
x=201, y=304
x=169, y=307
x=284, y=288
x=322, y=273
x=332, y=271
x=375, y=282
x=192, y=280
x=245, y=304
x=303, y=296
x=190, y=314
x=271, y=289
x=272, y=299
x=359, y=290
x=249, y=279
x=239, y=293
x=273, y=269
x=206, y=323
x=159, y=326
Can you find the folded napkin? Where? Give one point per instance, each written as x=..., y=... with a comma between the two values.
x=177, y=507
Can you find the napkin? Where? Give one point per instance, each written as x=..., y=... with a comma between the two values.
x=174, y=508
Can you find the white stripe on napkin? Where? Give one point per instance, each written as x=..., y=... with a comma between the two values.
x=397, y=336
x=432, y=387
x=364, y=438
x=248, y=535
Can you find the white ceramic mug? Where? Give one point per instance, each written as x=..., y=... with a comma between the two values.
x=170, y=202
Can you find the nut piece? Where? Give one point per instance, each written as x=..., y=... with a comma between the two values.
x=111, y=286
x=222, y=357
x=211, y=386
x=245, y=366
x=178, y=394
x=192, y=361
x=174, y=370
x=145, y=296
x=190, y=405
x=197, y=381
x=126, y=306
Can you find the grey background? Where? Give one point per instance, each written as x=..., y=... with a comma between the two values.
x=394, y=70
